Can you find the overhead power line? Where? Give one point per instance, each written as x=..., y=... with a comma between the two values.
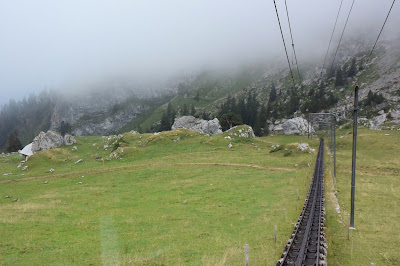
x=284, y=45
x=379, y=35
x=333, y=31
x=291, y=36
x=333, y=61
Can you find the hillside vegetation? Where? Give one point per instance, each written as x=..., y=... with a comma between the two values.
x=173, y=198
x=181, y=197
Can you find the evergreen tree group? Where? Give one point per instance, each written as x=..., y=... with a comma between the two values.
x=13, y=142
x=167, y=119
x=246, y=110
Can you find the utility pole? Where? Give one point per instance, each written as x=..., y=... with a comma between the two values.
x=334, y=147
x=308, y=124
x=353, y=165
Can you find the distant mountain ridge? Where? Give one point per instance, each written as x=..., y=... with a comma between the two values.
x=122, y=109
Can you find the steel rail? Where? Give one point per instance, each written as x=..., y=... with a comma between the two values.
x=307, y=240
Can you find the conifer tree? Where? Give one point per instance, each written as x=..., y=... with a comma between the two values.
x=13, y=143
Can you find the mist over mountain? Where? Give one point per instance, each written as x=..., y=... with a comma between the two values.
x=100, y=68
x=74, y=45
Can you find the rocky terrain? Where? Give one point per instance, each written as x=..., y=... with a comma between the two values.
x=117, y=108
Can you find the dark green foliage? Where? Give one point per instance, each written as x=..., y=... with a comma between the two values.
x=294, y=102
x=272, y=94
x=185, y=110
x=167, y=119
x=319, y=99
x=13, y=142
x=197, y=97
x=339, y=81
x=192, y=111
x=230, y=120
x=65, y=128
x=205, y=116
x=164, y=123
x=352, y=70
x=261, y=127
x=30, y=115
x=373, y=98
x=244, y=110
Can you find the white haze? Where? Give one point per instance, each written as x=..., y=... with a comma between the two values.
x=70, y=44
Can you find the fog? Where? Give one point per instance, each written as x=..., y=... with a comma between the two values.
x=69, y=44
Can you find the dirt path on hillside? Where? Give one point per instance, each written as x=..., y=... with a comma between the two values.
x=136, y=166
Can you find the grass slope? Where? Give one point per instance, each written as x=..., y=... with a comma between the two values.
x=377, y=212
x=192, y=201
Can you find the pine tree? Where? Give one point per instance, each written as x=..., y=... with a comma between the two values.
x=230, y=120
x=65, y=128
x=339, y=78
x=352, y=70
x=193, y=110
x=185, y=110
x=164, y=123
x=272, y=94
x=13, y=142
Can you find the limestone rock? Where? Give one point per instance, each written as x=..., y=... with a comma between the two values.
x=69, y=139
x=377, y=121
x=296, y=126
x=243, y=131
x=197, y=124
x=304, y=147
x=48, y=140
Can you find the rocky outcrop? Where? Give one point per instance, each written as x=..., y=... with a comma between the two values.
x=377, y=121
x=197, y=124
x=243, y=131
x=51, y=139
x=294, y=126
x=48, y=140
x=69, y=140
x=104, y=124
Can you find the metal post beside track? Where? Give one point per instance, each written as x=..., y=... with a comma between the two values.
x=353, y=167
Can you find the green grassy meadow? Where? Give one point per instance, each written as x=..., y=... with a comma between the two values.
x=181, y=198
x=192, y=201
x=377, y=196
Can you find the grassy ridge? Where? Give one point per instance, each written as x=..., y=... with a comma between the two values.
x=192, y=201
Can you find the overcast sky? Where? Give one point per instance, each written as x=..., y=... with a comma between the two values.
x=66, y=43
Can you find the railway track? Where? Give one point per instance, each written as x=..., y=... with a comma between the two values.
x=307, y=245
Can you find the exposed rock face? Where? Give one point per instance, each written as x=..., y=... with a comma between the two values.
x=48, y=140
x=377, y=121
x=296, y=126
x=243, y=131
x=69, y=139
x=197, y=124
x=107, y=124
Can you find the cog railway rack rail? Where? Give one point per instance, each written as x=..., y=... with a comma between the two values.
x=307, y=245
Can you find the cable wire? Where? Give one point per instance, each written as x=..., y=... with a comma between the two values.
x=291, y=36
x=369, y=57
x=330, y=41
x=284, y=45
x=333, y=61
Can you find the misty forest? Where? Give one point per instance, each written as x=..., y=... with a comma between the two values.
x=199, y=132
